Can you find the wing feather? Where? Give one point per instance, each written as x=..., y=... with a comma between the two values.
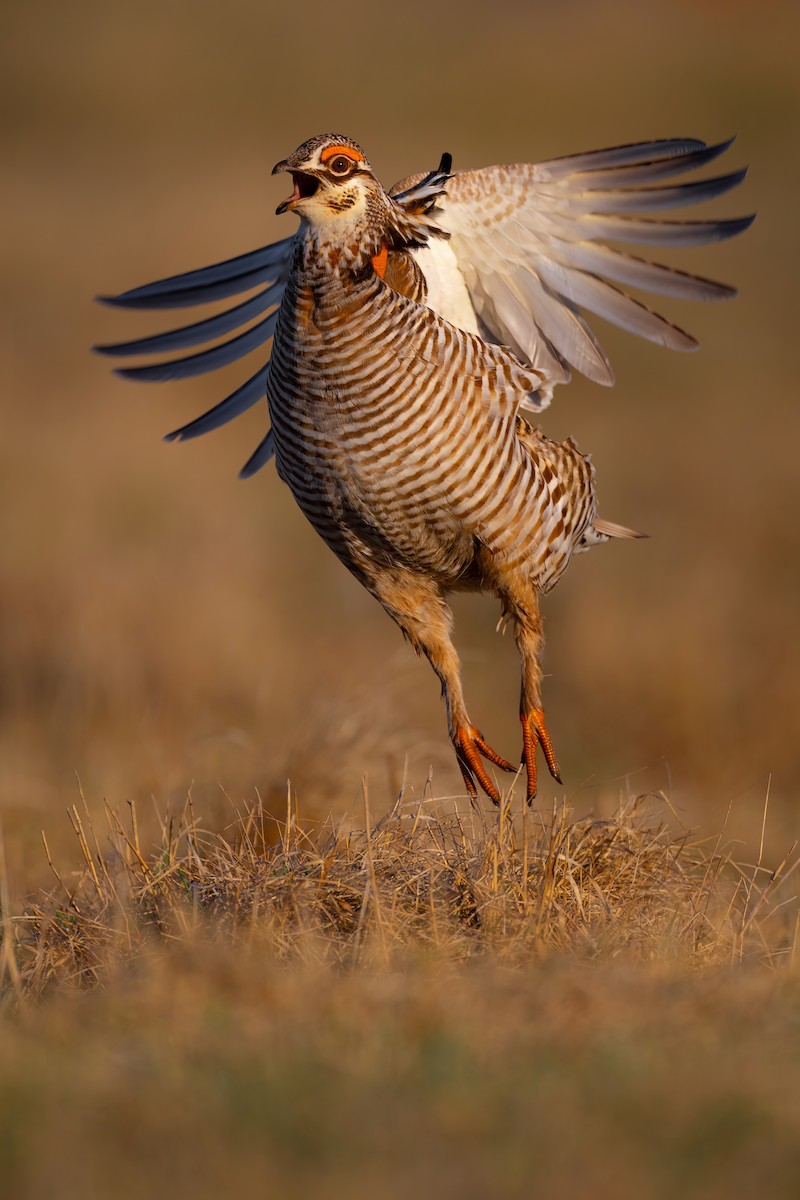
x=244, y=397
x=267, y=268
x=530, y=241
x=206, y=360
x=201, y=331
x=647, y=169
x=562, y=325
x=651, y=199
x=222, y=279
x=263, y=453
x=659, y=150
x=610, y=303
x=638, y=272
x=663, y=233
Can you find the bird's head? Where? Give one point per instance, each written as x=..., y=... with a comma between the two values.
x=334, y=184
x=338, y=196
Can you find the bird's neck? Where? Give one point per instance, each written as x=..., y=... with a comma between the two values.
x=339, y=247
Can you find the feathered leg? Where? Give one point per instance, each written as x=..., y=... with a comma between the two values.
x=418, y=607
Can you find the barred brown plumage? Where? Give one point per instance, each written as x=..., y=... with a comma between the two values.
x=397, y=418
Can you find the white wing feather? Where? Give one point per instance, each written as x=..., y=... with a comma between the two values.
x=527, y=240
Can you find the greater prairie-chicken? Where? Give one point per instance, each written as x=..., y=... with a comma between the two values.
x=414, y=331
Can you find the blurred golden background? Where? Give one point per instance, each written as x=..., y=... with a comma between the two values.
x=164, y=625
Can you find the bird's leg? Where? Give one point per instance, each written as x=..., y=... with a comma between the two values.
x=418, y=607
x=530, y=640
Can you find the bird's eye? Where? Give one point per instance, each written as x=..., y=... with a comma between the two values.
x=341, y=165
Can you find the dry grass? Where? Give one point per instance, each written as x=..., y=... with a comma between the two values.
x=442, y=1001
x=425, y=878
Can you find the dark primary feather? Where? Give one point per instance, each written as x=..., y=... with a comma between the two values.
x=200, y=331
x=268, y=265
x=199, y=286
x=206, y=360
x=262, y=454
x=232, y=406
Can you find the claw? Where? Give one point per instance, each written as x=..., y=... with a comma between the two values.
x=534, y=733
x=469, y=746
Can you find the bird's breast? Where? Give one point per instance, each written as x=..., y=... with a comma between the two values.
x=362, y=434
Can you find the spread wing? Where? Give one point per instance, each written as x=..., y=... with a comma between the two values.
x=266, y=269
x=531, y=243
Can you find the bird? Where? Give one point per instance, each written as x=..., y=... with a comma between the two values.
x=417, y=332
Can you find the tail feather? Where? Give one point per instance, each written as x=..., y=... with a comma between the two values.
x=612, y=530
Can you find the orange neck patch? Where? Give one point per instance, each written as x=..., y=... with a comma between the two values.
x=379, y=260
x=348, y=152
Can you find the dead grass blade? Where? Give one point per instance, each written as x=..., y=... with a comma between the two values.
x=427, y=877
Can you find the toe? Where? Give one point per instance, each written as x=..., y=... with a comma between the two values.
x=469, y=746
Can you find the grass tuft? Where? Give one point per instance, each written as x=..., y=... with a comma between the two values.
x=427, y=878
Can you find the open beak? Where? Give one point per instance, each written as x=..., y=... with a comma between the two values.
x=304, y=186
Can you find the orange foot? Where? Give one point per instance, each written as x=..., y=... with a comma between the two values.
x=534, y=732
x=470, y=745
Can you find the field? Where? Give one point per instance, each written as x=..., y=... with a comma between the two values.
x=346, y=992
x=433, y=1001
